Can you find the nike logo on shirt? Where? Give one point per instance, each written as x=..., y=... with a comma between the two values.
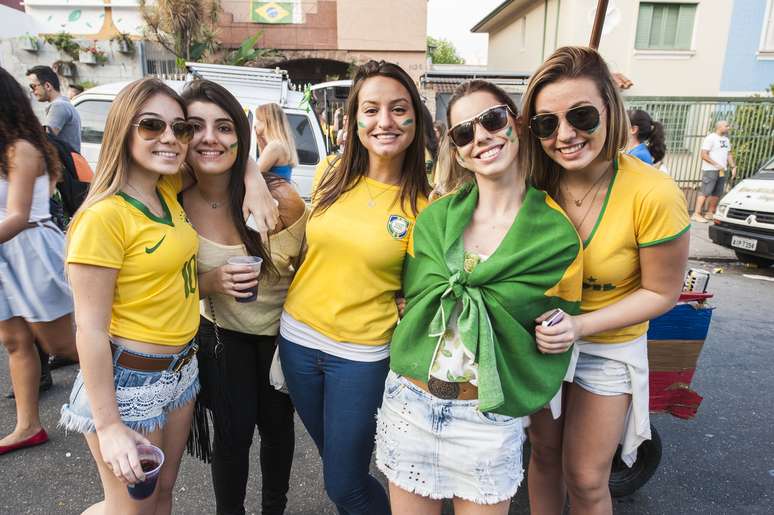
x=151, y=250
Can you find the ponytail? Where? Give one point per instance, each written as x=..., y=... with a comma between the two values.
x=657, y=142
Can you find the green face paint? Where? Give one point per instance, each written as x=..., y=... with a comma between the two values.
x=510, y=135
x=234, y=146
x=408, y=122
x=360, y=124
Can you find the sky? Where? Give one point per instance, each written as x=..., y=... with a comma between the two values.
x=453, y=19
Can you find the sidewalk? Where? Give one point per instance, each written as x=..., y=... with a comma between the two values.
x=702, y=247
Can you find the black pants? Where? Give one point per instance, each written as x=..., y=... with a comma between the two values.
x=235, y=386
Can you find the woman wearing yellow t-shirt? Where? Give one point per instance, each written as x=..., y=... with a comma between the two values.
x=132, y=264
x=633, y=221
x=341, y=311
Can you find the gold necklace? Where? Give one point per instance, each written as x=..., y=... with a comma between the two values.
x=213, y=204
x=372, y=202
x=140, y=194
x=579, y=203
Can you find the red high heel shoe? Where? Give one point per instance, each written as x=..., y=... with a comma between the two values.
x=38, y=438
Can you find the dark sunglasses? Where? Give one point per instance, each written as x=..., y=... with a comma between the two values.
x=152, y=128
x=583, y=118
x=493, y=119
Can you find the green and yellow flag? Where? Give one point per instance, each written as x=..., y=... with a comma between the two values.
x=271, y=12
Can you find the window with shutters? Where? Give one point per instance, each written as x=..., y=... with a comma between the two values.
x=767, y=38
x=665, y=26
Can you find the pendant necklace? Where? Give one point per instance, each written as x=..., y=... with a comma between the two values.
x=372, y=202
x=213, y=204
x=579, y=203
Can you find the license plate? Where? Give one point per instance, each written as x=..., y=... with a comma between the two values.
x=743, y=243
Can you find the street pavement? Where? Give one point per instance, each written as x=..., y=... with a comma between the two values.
x=721, y=462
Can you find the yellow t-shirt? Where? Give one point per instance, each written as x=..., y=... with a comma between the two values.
x=345, y=288
x=644, y=207
x=156, y=297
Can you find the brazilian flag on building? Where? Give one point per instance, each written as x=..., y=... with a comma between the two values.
x=271, y=12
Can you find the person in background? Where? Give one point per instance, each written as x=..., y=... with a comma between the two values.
x=715, y=158
x=440, y=130
x=62, y=120
x=634, y=224
x=35, y=301
x=73, y=90
x=341, y=308
x=238, y=339
x=431, y=141
x=341, y=135
x=646, y=138
x=276, y=146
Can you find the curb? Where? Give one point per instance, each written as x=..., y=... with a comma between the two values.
x=710, y=259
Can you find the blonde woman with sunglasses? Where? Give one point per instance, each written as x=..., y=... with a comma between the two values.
x=131, y=260
x=487, y=259
x=633, y=222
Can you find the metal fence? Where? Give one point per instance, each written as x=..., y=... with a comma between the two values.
x=687, y=120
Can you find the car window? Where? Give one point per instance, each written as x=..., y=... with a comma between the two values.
x=306, y=145
x=93, y=116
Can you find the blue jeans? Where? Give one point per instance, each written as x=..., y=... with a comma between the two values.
x=337, y=400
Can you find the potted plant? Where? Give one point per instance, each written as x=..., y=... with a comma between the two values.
x=124, y=42
x=92, y=55
x=29, y=43
x=65, y=43
x=64, y=68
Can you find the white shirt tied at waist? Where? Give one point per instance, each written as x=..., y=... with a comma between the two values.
x=634, y=354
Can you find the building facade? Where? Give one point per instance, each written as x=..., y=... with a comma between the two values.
x=666, y=47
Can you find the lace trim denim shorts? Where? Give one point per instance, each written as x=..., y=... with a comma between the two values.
x=144, y=398
x=442, y=449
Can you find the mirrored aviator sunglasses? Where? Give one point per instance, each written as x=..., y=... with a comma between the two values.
x=583, y=118
x=152, y=128
x=493, y=120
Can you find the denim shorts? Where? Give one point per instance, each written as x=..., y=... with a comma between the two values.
x=602, y=376
x=144, y=398
x=442, y=449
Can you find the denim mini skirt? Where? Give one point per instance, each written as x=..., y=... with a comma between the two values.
x=442, y=449
x=144, y=399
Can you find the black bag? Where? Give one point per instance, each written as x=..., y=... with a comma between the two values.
x=71, y=189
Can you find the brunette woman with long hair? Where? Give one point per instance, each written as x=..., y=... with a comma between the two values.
x=646, y=138
x=238, y=338
x=35, y=301
x=341, y=310
x=633, y=221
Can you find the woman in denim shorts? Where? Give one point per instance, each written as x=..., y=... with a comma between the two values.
x=487, y=260
x=132, y=264
x=633, y=221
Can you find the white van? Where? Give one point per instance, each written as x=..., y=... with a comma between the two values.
x=251, y=86
x=744, y=221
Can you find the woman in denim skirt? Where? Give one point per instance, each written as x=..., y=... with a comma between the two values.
x=487, y=260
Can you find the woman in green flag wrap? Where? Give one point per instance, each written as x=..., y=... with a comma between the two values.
x=486, y=261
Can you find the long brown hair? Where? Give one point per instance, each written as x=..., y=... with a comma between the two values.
x=343, y=174
x=210, y=92
x=18, y=121
x=449, y=174
x=572, y=63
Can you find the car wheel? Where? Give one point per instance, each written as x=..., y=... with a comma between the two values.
x=625, y=480
x=754, y=260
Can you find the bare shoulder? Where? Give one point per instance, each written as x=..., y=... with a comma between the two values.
x=24, y=157
x=291, y=205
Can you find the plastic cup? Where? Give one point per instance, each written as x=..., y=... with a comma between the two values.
x=151, y=460
x=253, y=261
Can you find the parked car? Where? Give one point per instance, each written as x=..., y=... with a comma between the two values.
x=251, y=86
x=744, y=220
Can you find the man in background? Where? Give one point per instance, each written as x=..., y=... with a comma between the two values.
x=62, y=120
x=73, y=90
x=715, y=158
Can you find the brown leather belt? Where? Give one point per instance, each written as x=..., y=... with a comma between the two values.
x=447, y=390
x=152, y=364
x=38, y=223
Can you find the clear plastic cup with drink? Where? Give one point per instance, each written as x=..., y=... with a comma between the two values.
x=151, y=460
x=254, y=262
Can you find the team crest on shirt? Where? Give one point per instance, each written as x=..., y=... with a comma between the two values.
x=398, y=226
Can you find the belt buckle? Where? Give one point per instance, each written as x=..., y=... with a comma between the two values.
x=443, y=389
x=183, y=361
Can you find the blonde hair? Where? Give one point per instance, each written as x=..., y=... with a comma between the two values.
x=572, y=63
x=448, y=174
x=278, y=128
x=114, y=158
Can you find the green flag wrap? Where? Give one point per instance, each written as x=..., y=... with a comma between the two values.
x=537, y=267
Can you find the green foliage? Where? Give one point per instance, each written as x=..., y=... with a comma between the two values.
x=442, y=51
x=87, y=84
x=64, y=42
x=123, y=39
x=752, y=136
x=247, y=52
